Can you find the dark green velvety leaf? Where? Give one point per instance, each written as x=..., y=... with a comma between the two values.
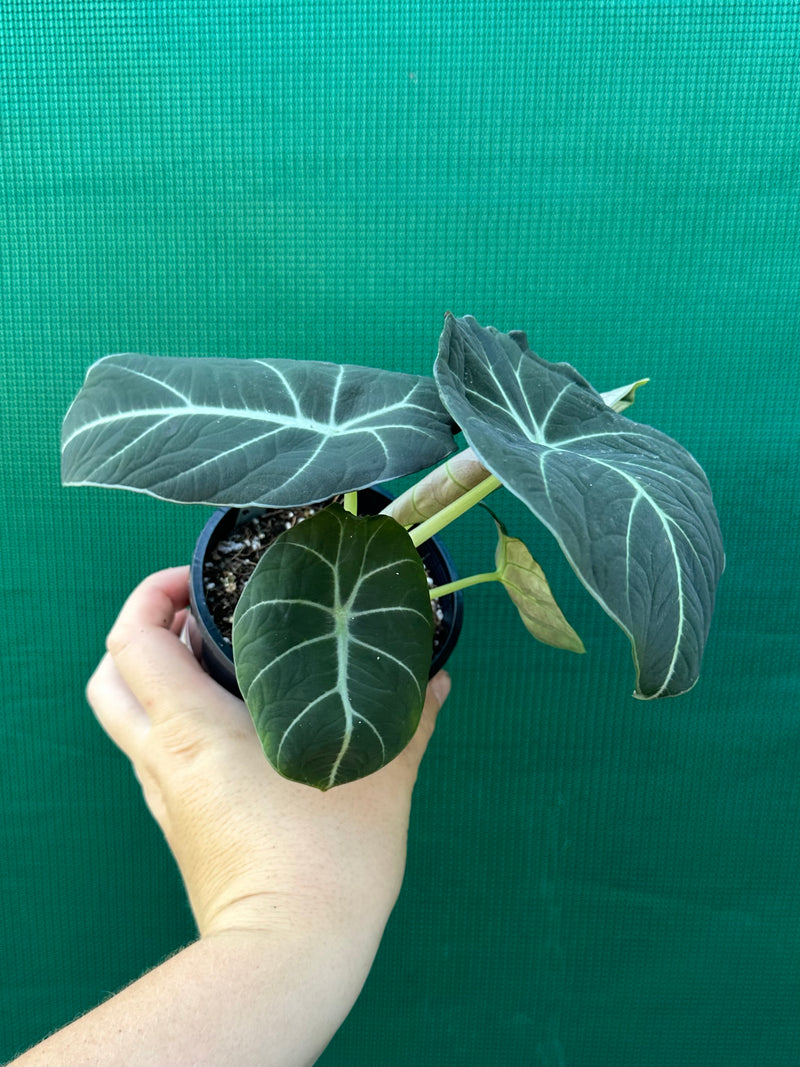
x=629, y=506
x=332, y=640
x=252, y=431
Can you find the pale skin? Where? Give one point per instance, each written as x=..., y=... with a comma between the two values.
x=290, y=888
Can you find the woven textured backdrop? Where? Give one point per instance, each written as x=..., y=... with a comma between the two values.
x=592, y=880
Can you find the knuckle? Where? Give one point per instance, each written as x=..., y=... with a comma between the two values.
x=178, y=738
x=91, y=691
x=120, y=637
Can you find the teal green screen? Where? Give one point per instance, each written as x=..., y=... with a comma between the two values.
x=592, y=880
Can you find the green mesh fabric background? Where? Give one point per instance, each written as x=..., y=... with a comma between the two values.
x=592, y=880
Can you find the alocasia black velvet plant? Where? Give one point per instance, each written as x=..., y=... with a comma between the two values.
x=332, y=635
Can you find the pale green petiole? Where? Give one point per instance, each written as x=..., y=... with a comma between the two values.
x=351, y=503
x=450, y=513
x=464, y=583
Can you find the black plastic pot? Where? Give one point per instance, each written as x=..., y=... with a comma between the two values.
x=215, y=653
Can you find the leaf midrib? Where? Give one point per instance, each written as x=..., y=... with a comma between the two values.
x=189, y=408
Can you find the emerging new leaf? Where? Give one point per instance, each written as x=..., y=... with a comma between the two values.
x=332, y=641
x=274, y=432
x=620, y=399
x=629, y=506
x=437, y=489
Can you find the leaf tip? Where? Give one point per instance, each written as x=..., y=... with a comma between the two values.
x=663, y=692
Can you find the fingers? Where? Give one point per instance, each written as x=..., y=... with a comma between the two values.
x=147, y=652
x=116, y=708
x=157, y=599
x=149, y=678
x=178, y=622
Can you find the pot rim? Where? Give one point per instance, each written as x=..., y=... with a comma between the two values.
x=216, y=653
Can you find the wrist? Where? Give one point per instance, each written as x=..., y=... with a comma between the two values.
x=310, y=977
x=305, y=925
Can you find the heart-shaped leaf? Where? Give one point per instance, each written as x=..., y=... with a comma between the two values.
x=629, y=506
x=253, y=431
x=332, y=641
x=525, y=582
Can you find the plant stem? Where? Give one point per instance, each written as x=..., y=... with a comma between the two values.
x=448, y=514
x=464, y=583
x=351, y=503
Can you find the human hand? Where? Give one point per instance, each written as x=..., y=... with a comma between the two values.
x=256, y=851
x=290, y=887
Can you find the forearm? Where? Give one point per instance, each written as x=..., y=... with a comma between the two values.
x=236, y=998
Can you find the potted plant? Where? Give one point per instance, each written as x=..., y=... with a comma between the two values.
x=332, y=634
x=228, y=550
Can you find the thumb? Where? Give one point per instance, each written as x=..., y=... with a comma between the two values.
x=437, y=692
x=435, y=696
